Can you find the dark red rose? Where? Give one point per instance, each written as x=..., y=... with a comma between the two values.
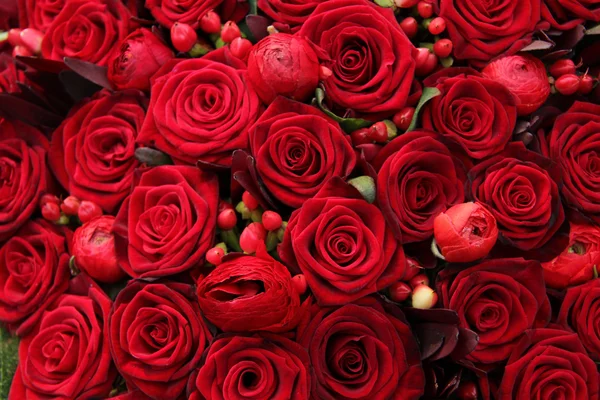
x=417, y=178
x=87, y=30
x=136, y=59
x=520, y=188
x=92, y=151
x=251, y=293
x=498, y=300
x=342, y=245
x=39, y=14
x=11, y=74
x=293, y=13
x=263, y=366
x=298, y=149
x=34, y=271
x=157, y=337
x=362, y=351
x=476, y=112
x=168, y=222
x=167, y=12
x=68, y=356
x=567, y=14
x=201, y=109
x=24, y=176
x=371, y=58
x=549, y=364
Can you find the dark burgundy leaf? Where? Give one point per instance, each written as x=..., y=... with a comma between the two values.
x=257, y=26
x=32, y=114
x=43, y=65
x=467, y=341
x=92, y=72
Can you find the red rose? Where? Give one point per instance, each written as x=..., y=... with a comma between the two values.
x=263, y=366
x=546, y=364
x=342, y=245
x=498, y=300
x=167, y=12
x=92, y=151
x=362, y=351
x=297, y=149
x=34, y=271
x=567, y=14
x=9, y=15
x=201, y=109
x=157, y=337
x=250, y=293
x=520, y=188
x=477, y=113
x=11, y=74
x=136, y=59
x=87, y=30
x=292, y=13
x=39, y=14
x=417, y=178
x=371, y=58
x=23, y=174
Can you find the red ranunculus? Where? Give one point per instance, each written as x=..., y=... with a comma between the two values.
x=567, y=14
x=39, y=14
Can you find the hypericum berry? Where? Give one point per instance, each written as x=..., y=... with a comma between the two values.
x=426, y=61
x=49, y=198
x=249, y=200
x=403, y=118
x=227, y=219
x=410, y=26
x=32, y=39
x=14, y=37
x=252, y=236
x=425, y=9
x=424, y=297
x=562, y=67
x=230, y=31
x=420, y=279
x=224, y=205
x=412, y=268
x=210, y=22
x=378, y=132
x=183, y=36
x=405, y=3
x=586, y=85
x=88, y=210
x=70, y=205
x=21, y=51
x=299, y=282
x=443, y=48
x=567, y=84
x=215, y=255
x=399, y=291
x=271, y=220
x=437, y=26
x=361, y=136
x=240, y=47
x=51, y=212
x=467, y=391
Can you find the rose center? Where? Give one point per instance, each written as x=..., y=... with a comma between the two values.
x=250, y=379
x=59, y=352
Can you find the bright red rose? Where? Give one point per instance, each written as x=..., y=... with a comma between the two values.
x=136, y=59
x=520, y=188
x=293, y=13
x=476, y=112
x=498, y=300
x=417, y=178
x=157, y=337
x=371, y=58
x=362, y=351
x=297, y=150
x=546, y=364
x=342, y=245
x=92, y=151
x=167, y=12
x=201, y=109
x=567, y=14
x=24, y=176
x=39, y=14
x=11, y=74
x=87, y=30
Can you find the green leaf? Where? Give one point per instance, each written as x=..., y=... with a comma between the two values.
x=593, y=31
x=349, y=125
x=253, y=7
x=9, y=357
x=152, y=157
x=428, y=94
x=385, y=3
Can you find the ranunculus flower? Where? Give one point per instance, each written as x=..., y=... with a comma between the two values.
x=167, y=12
x=480, y=32
x=362, y=351
x=575, y=265
x=87, y=30
x=39, y=14
x=250, y=293
x=157, y=337
x=136, y=59
x=476, y=112
x=24, y=176
x=342, y=245
x=34, y=271
x=371, y=58
x=498, y=300
x=11, y=75
x=567, y=14
x=201, y=108
x=297, y=149
x=520, y=188
x=168, y=222
x=525, y=76
x=92, y=151
x=546, y=364
x=465, y=232
x=292, y=13
x=262, y=366
x=417, y=178
x=285, y=65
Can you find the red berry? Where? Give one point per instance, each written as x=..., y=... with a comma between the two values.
x=240, y=47
x=88, y=210
x=467, y=391
x=51, y=212
x=361, y=136
x=378, y=132
x=426, y=61
x=443, y=48
x=424, y=9
x=420, y=279
x=70, y=205
x=567, y=84
x=586, y=85
x=399, y=291
x=249, y=200
x=437, y=26
x=562, y=67
x=412, y=269
x=423, y=297
x=14, y=37
x=32, y=39
x=405, y=3
x=271, y=220
x=215, y=255
x=403, y=118
x=210, y=22
x=183, y=36
x=252, y=236
x=299, y=282
x=224, y=205
x=410, y=26
x=21, y=51
x=49, y=198
x=230, y=31
x=227, y=219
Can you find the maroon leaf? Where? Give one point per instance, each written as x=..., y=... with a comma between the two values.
x=27, y=112
x=43, y=65
x=92, y=72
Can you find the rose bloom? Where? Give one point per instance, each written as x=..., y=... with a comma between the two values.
x=476, y=112
x=567, y=14
x=11, y=74
x=167, y=12
x=362, y=351
x=548, y=363
x=24, y=176
x=201, y=109
x=39, y=14
x=417, y=178
x=342, y=245
x=465, y=232
x=92, y=151
x=157, y=336
x=298, y=149
x=168, y=222
x=371, y=58
x=293, y=13
x=498, y=300
x=86, y=30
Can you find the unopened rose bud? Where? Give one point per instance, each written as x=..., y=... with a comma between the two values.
x=562, y=67
x=271, y=220
x=230, y=31
x=437, y=26
x=215, y=255
x=51, y=212
x=423, y=297
x=299, y=282
x=410, y=26
x=442, y=48
x=88, y=210
x=70, y=205
x=227, y=219
x=210, y=22
x=399, y=291
x=183, y=36
x=567, y=84
x=240, y=48
x=404, y=118
x=249, y=201
x=32, y=39
x=252, y=235
x=420, y=279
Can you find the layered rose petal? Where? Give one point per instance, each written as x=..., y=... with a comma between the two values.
x=567, y=14
x=39, y=14
x=293, y=13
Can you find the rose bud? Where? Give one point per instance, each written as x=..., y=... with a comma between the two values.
x=525, y=76
x=283, y=64
x=94, y=250
x=299, y=282
x=420, y=279
x=425, y=9
x=252, y=236
x=443, y=48
x=227, y=219
x=423, y=297
x=51, y=212
x=249, y=201
x=437, y=26
x=586, y=85
x=271, y=220
x=240, y=47
x=567, y=84
x=88, y=210
x=70, y=205
x=399, y=292
x=465, y=232
x=404, y=118
x=410, y=26
x=215, y=255
x=562, y=67
x=210, y=22
x=183, y=36
x=32, y=39
x=136, y=59
x=230, y=31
